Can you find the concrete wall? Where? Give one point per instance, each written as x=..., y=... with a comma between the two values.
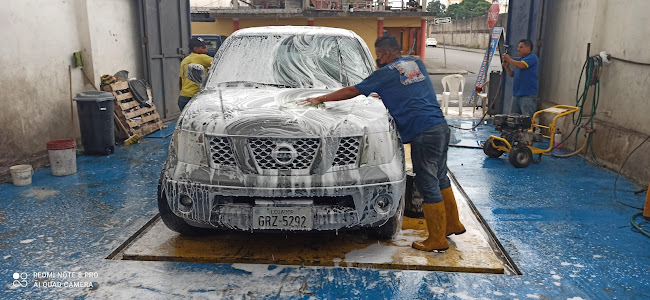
x=36, y=79
x=366, y=28
x=622, y=28
x=471, y=33
x=115, y=37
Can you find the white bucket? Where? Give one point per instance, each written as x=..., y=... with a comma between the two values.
x=21, y=174
x=63, y=162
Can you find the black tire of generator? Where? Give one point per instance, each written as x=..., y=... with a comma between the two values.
x=390, y=229
x=412, y=199
x=520, y=157
x=490, y=151
x=174, y=222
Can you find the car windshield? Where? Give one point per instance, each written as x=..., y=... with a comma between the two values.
x=301, y=61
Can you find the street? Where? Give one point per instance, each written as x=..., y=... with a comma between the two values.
x=465, y=59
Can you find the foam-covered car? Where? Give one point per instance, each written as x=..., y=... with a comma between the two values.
x=247, y=155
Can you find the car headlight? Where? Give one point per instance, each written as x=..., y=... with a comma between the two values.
x=379, y=148
x=190, y=147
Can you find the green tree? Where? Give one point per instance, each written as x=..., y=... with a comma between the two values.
x=468, y=9
x=436, y=7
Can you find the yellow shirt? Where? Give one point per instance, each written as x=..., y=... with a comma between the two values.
x=190, y=88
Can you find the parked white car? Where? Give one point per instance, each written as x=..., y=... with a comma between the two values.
x=246, y=155
x=432, y=42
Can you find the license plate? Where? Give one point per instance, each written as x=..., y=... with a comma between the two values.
x=282, y=218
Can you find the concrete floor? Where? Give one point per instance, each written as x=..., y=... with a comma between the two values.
x=557, y=219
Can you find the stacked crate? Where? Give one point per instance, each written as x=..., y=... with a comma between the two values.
x=130, y=117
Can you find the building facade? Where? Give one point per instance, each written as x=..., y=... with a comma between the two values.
x=368, y=19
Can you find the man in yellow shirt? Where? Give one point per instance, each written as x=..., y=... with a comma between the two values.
x=198, y=56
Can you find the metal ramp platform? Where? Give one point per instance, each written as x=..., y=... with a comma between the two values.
x=473, y=251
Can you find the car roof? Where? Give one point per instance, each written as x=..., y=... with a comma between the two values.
x=299, y=30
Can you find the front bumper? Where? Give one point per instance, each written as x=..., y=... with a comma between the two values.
x=208, y=211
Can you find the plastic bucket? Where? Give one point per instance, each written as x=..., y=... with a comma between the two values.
x=21, y=175
x=63, y=157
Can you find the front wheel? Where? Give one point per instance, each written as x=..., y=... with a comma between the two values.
x=520, y=157
x=174, y=222
x=391, y=227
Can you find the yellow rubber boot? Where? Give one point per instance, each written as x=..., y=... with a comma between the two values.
x=434, y=214
x=454, y=226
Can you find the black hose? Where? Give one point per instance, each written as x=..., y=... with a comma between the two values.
x=635, y=225
x=621, y=169
x=463, y=146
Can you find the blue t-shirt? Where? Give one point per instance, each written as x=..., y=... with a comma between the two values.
x=525, y=80
x=406, y=90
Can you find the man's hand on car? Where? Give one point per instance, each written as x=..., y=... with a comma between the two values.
x=311, y=101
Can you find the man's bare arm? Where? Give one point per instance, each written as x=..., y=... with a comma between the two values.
x=517, y=64
x=342, y=94
x=507, y=68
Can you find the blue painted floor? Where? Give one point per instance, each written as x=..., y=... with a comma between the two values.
x=557, y=219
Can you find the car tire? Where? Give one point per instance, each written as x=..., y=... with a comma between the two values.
x=390, y=229
x=174, y=222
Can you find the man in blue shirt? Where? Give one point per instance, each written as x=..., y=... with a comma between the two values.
x=407, y=92
x=524, y=87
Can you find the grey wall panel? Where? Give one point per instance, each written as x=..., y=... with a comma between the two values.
x=157, y=87
x=165, y=26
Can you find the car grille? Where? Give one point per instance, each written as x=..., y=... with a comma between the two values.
x=284, y=154
x=221, y=152
x=347, y=152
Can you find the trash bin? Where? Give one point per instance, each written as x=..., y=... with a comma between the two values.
x=95, y=111
x=493, y=87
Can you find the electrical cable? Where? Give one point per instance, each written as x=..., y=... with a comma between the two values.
x=629, y=61
x=621, y=169
x=635, y=225
x=592, y=69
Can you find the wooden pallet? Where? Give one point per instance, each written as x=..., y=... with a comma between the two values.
x=128, y=113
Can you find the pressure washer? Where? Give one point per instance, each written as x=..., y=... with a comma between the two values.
x=519, y=132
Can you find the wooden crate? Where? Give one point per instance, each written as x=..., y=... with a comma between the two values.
x=133, y=118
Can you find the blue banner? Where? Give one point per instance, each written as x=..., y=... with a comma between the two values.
x=489, y=53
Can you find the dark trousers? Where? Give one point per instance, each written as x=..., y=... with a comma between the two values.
x=429, y=155
x=182, y=101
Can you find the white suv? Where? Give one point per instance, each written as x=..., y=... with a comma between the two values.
x=246, y=155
